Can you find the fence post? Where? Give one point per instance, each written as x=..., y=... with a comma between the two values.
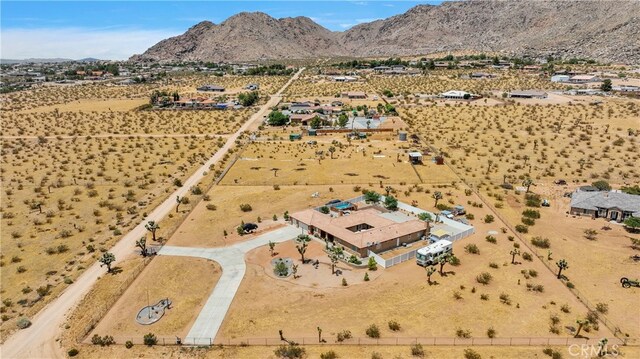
x=510, y=341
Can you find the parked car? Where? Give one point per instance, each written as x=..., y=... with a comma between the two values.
x=560, y=182
x=249, y=227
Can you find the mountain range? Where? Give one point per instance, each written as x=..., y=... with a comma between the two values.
x=601, y=30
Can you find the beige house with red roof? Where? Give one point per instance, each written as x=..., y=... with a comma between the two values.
x=368, y=228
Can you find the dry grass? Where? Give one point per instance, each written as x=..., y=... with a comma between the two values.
x=176, y=278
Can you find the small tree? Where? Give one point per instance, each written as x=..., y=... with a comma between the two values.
x=302, y=244
x=606, y=85
x=372, y=197
x=152, y=227
x=272, y=246
x=444, y=259
x=437, y=195
x=388, y=189
x=391, y=203
x=602, y=185
x=562, y=264
x=333, y=257
x=332, y=150
x=107, y=259
x=430, y=271
x=372, y=265
x=632, y=223
x=514, y=252
x=142, y=244
x=527, y=182
x=580, y=323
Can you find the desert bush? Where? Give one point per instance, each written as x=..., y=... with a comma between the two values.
x=23, y=323
x=527, y=256
x=528, y=221
x=491, y=239
x=484, y=296
x=394, y=325
x=484, y=278
x=417, y=351
x=128, y=344
x=211, y=206
x=72, y=352
x=531, y=213
x=329, y=355
x=602, y=308
x=461, y=333
x=373, y=331
x=541, y=242
x=245, y=207
x=471, y=354
x=376, y=355
x=472, y=248
x=150, y=339
x=488, y=218
x=491, y=333
x=343, y=335
x=565, y=308
x=521, y=228
x=505, y=299
x=290, y=351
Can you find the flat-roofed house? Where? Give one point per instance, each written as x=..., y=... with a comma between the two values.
x=528, y=94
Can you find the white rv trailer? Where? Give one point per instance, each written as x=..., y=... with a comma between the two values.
x=430, y=254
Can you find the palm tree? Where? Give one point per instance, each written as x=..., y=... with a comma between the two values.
x=580, y=323
x=527, y=183
x=152, y=227
x=437, y=195
x=388, y=189
x=142, y=244
x=332, y=150
x=430, y=271
x=303, y=243
x=562, y=264
x=514, y=252
x=106, y=260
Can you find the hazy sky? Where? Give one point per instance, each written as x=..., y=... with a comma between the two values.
x=119, y=29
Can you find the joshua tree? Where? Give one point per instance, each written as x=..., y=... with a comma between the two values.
x=489, y=164
x=444, y=259
x=142, y=244
x=525, y=158
x=430, y=270
x=152, y=227
x=319, y=335
x=332, y=150
x=178, y=202
x=302, y=244
x=272, y=246
x=275, y=171
x=580, y=323
x=106, y=260
x=601, y=345
x=294, y=271
x=562, y=264
x=514, y=252
x=527, y=183
x=387, y=190
x=333, y=256
x=437, y=195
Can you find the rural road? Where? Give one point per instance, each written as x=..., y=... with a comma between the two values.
x=231, y=259
x=39, y=340
x=118, y=135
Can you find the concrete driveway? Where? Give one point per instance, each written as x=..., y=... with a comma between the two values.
x=231, y=259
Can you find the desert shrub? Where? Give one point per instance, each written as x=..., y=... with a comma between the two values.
x=484, y=278
x=394, y=325
x=177, y=182
x=23, y=323
x=491, y=239
x=488, y=218
x=373, y=331
x=533, y=273
x=602, y=308
x=211, y=206
x=541, y=242
x=565, y=308
x=493, y=265
x=150, y=339
x=196, y=190
x=471, y=354
x=96, y=339
x=505, y=299
x=324, y=209
x=521, y=228
x=344, y=282
x=531, y=213
x=533, y=200
x=245, y=207
x=457, y=295
x=491, y=333
x=329, y=355
x=555, y=320
x=128, y=344
x=527, y=256
x=372, y=265
x=528, y=221
x=484, y=296
x=417, y=350
x=343, y=335
x=366, y=277
x=461, y=333
x=472, y=248
x=376, y=355
x=469, y=216
x=291, y=351
x=570, y=285
x=72, y=352
x=454, y=261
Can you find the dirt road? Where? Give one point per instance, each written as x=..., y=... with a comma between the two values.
x=39, y=340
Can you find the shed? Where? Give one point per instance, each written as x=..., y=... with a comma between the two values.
x=415, y=157
x=295, y=136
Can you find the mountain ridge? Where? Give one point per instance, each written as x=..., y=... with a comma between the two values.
x=607, y=31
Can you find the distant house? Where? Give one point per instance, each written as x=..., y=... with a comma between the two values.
x=354, y=95
x=303, y=119
x=456, y=95
x=560, y=78
x=211, y=88
x=481, y=75
x=127, y=82
x=528, y=94
x=344, y=79
x=584, y=79
x=626, y=88
x=615, y=206
x=381, y=68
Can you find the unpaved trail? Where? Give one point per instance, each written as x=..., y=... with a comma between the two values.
x=39, y=340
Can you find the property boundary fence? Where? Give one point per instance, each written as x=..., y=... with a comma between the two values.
x=426, y=341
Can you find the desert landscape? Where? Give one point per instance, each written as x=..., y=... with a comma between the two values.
x=358, y=200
